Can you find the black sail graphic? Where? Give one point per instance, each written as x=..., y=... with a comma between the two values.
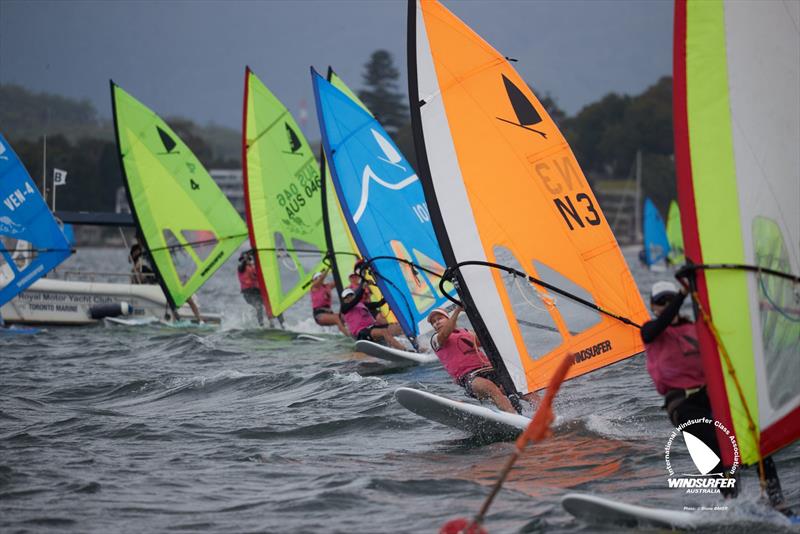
x=294, y=141
x=526, y=113
x=169, y=142
x=523, y=108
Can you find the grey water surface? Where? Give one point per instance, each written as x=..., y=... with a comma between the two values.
x=238, y=429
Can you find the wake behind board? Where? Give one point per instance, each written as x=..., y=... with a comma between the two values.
x=395, y=355
x=136, y=321
x=598, y=510
x=471, y=418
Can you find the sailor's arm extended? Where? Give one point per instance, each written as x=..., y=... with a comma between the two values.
x=448, y=327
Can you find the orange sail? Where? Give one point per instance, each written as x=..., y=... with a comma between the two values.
x=503, y=186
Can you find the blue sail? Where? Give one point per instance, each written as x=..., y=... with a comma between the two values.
x=31, y=242
x=384, y=205
x=656, y=244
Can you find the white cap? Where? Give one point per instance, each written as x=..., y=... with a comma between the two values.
x=662, y=288
x=438, y=310
x=316, y=276
x=347, y=292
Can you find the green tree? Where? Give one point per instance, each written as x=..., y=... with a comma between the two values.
x=381, y=94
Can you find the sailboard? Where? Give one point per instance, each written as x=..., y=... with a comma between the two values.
x=599, y=510
x=282, y=198
x=188, y=225
x=467, y=417
x=675, y=234
x=656, y=244
x=508, y=201
x=31, y=242
x=395, y=355
x=737, y=129
x=384, y=206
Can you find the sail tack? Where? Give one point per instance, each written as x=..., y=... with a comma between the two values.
x=503, y=186
x=737, y=129
x=188, y=225
x=31, y=243
x=384, y=205
x=283, y=198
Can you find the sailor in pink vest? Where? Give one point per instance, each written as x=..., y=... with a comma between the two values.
x=460, y=353
x=363, y=325
x=674, y=364
x=321, y=303
x=248, y=282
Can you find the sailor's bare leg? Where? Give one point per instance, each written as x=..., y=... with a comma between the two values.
x=486, y=389
x=331, y=319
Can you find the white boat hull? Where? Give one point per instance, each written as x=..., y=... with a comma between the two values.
x=66, y=302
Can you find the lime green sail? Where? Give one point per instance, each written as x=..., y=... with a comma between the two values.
x=675, y=235
x=283, y=198
x=188, y=225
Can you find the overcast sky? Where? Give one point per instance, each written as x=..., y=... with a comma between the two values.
x=188, y=57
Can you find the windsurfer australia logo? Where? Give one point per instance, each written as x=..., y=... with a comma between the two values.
x=710, y=475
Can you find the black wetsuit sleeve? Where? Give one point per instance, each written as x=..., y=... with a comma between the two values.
x=652, y=329
x=346, y=307
x=375, y=305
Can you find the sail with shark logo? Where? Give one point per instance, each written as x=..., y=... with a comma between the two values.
x=337, y=234
x=31, y=242
x=503, y=188
x=188, y=225
x=282, y=195
x=675, y=234
x=384, y=205
x=656, y=245
x=737, y=133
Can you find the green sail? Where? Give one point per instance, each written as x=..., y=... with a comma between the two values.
x=282, y=192
x=188, y=225
x=675, y=235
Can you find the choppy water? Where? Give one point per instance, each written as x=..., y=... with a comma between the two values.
x=241, y=430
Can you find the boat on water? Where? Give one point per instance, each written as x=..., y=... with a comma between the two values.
x=75, y=298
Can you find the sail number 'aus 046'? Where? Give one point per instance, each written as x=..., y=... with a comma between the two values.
x=292, y=199
x=561, y=179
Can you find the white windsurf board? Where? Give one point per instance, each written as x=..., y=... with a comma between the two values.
x=395, y=355
x=599, y=510
x=471, y=418
x=132, y=321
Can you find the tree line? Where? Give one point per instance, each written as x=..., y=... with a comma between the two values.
x=605, y=136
